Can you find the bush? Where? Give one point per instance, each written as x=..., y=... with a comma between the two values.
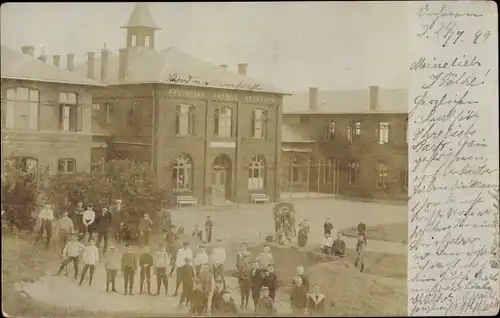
x=131, y=181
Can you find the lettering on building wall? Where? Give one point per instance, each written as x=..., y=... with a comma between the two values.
x=185, y=93
x=223, y=144
x=260, y=99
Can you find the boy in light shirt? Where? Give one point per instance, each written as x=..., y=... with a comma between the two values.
x=218, y=259
x=90, y=259
x=266, y=258
x=200, y=259
x=113, y=265
x=71, y=252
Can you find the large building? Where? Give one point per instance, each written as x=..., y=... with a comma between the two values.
x=207, y=131
x=46, y=113
x=351, y=142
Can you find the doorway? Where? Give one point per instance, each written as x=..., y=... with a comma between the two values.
x=221, y=179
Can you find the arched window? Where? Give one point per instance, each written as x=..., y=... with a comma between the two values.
x=294, y=173
x=256, y=173
x=182, y=173
x=259, y=119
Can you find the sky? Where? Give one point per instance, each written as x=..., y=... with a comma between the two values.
x=293, y=45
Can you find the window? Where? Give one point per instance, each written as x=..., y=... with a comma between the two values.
x=304, y=120
x=294, y=173
x=354, y=131
x=382, y=176
x=70, y=113
x=353, y=172
x=259, y=119
x=134, y=41
x=96, y=107
x=330, y=130
x=383, y=133
x=182, y=173
x=146, y=41
x=223, y=121
x=256, y=173
x=326, y=174
x=66, y=166
x=184, y=120
x=22, y=106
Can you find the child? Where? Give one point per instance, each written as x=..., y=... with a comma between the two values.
x=160, y=263
x=244, y=280
x=227, y=306
x=265, y=306
x=298, y=296
x=90, y=259
x=113, y=262
x=326, y=246
x=316, y=302
x=71, y=252
x=256, y=278
x=266, y=258
x=339, y=247
x=65, y=228
x=145, y=226
x=243, y=251
x=303, y=233
x=270, y=280
x=360, y=250
x=129, y=267
x=88, y=218
x=145, y=263
x=217, y=296
x=207, y=284
x=187, y=277
x=200, y=259
x=198, y=233
x=198, y=299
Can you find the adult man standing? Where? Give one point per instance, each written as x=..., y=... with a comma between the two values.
x=208, y=229
x=46, y=217
x=218, y=260
x=117, y=224
x=160, y=264
x=104, y=221
x=183, y=254
x=88, y=220
x=145, y=226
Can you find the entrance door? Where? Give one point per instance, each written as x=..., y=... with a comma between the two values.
x=221, y=179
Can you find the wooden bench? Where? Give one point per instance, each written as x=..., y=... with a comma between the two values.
x=186, y=199
x=259, y=197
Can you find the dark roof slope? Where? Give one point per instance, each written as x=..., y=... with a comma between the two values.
x=348, y=102
x=16, y=65
x=172, y=66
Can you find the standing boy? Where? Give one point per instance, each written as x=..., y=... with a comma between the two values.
x=360, y=250
x=90, y=259
x=187, y=279
x=270, y=280
x=198, y=299
x=265, y=306
x=71, y=252
x=145, y=227
x=77, y=218
x=160, y=263
x=198, y=233
x=218, y=260
x=183, y=254
x=208, y=229
x=88, y=219
x=145, y=263
x=257, y=282
x=129, y=267
x=244, y=280
x=65, y=229
x=103, y=224
x=200, y=259
x=207, y=284
x=112, y=262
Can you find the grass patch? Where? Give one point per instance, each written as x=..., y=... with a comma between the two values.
x=392, y=232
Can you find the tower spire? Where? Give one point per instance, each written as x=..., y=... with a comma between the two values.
x=140, y=27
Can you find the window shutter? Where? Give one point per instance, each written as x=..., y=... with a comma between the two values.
x=61, y=116
x=78, y=118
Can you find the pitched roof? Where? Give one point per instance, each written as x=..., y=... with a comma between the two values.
x=16, y=65
x=141, y=17
x=348, y=102
x=172, y=66
x=294, y=133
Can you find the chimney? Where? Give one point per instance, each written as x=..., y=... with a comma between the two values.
x=56, y=59
x=43, y=57
x=90, y=65
x=224, y=66
x=242, y=69
x=28, y=50
x=313, y=98
x=70, y=59
x=374, y=97
x=104, y=63
x=123, y=64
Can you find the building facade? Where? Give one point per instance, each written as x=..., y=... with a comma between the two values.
x=46, y=114
x=208, y=132
x=356, y=142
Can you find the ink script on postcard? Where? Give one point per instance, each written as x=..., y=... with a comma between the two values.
x=453, y=125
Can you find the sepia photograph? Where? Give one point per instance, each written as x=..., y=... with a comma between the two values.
x=204, y=159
